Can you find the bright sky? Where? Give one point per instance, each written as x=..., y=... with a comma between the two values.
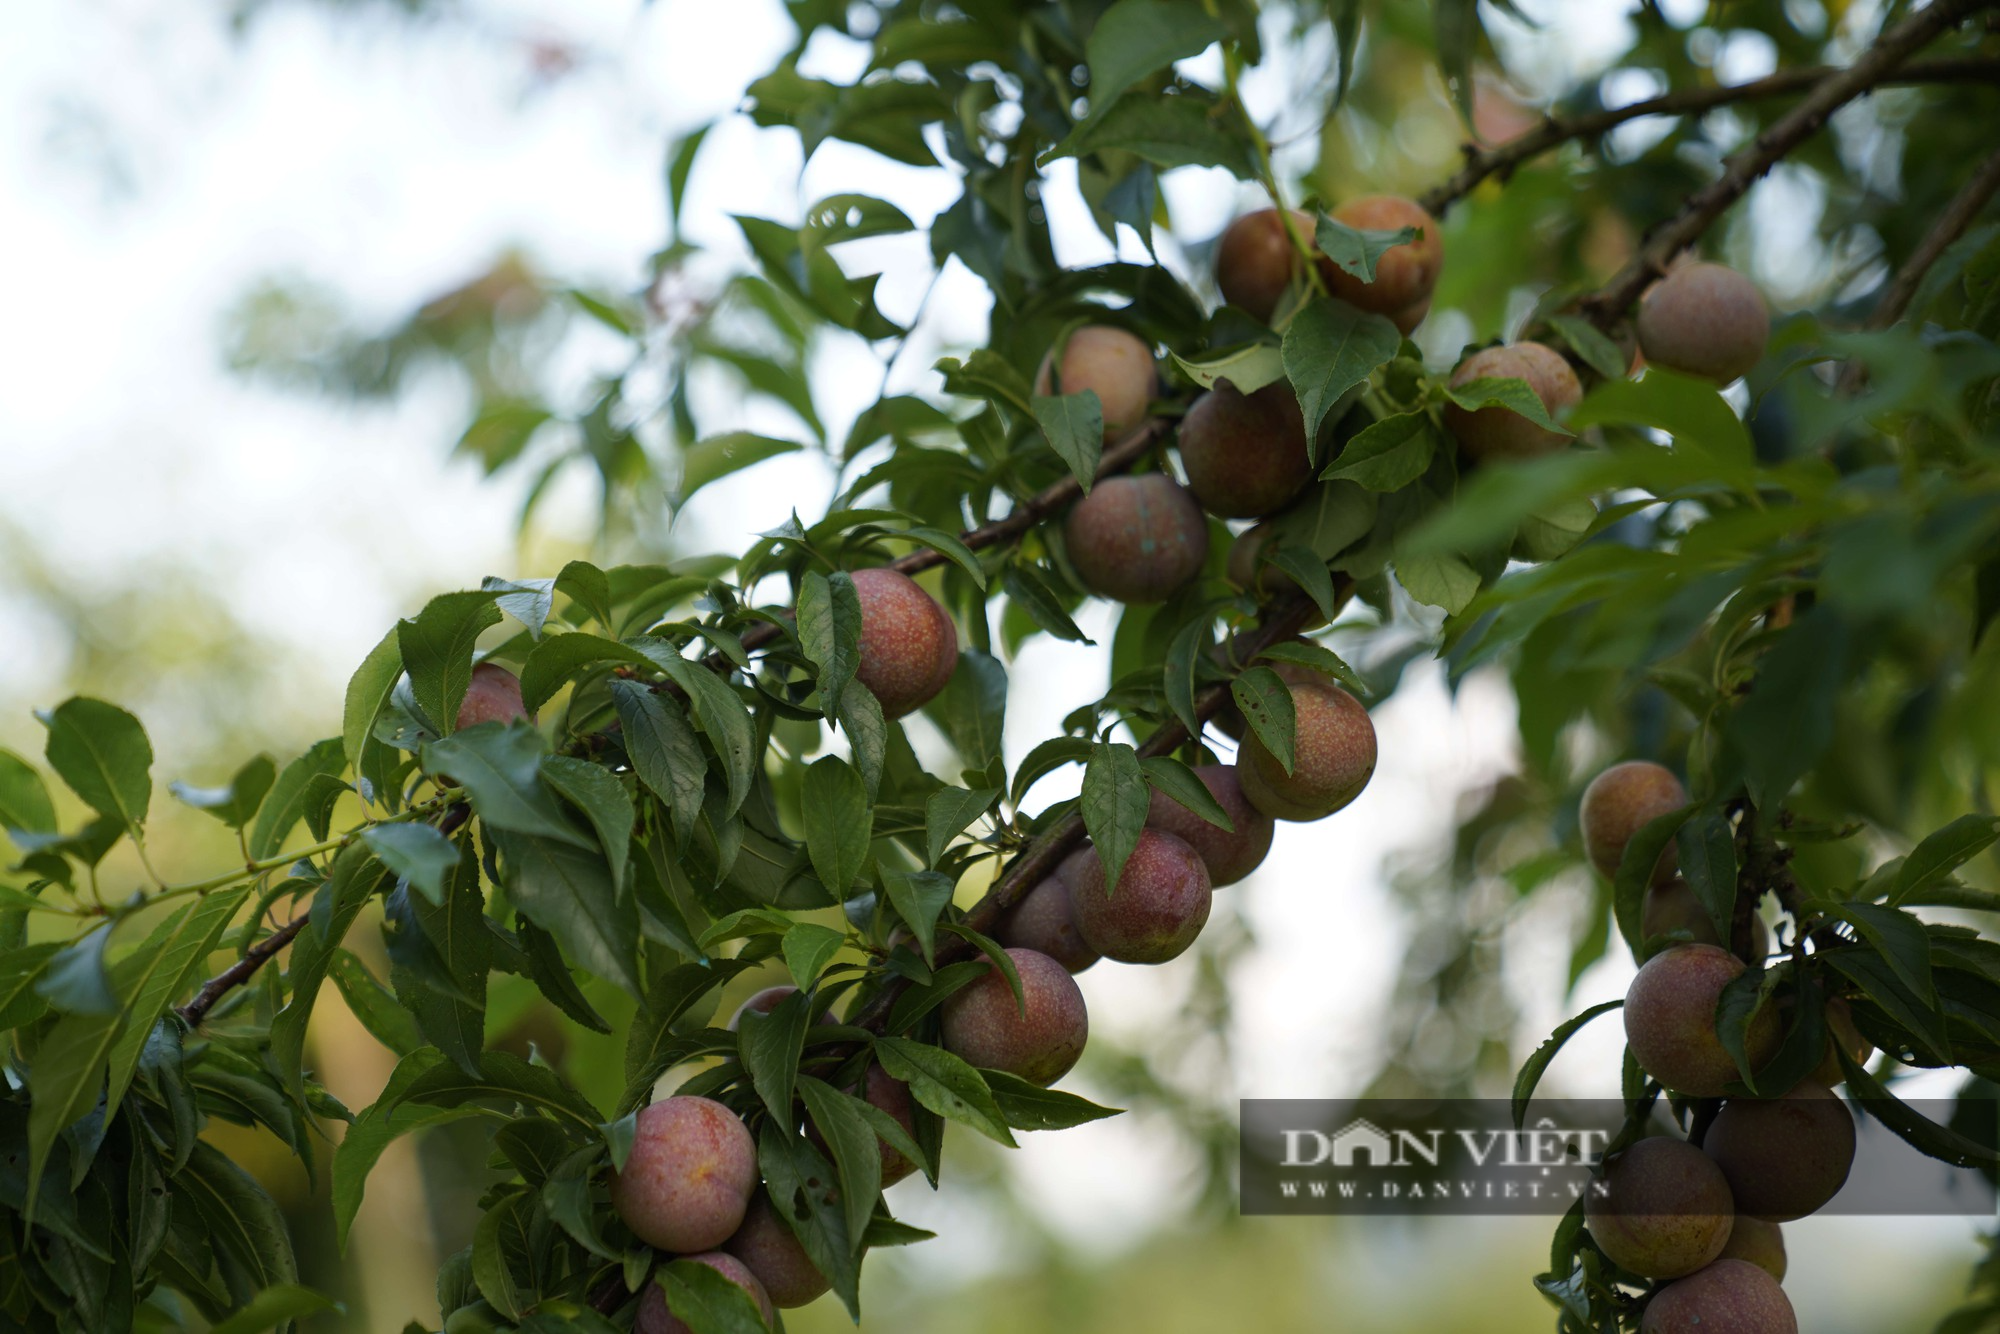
x=153, y=166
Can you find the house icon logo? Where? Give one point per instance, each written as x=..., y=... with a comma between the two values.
x=1361, y=1143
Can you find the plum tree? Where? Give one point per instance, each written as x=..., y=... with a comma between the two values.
x=1672, y=906
x=909, y=647
x=1229, y=854
x=1137, y=539
x=1619, y=803
x=1245, y=454
x=1493, y=434
x=1706, y=320
x=1255, y=260
x=1404, y=275
x=1840, y=1031
x=494, y=696
x=1044, y=920
x=1785, y=1157
x=655, y=1318
x=1038, y=1039
x=1332, y=760
x=1158, y=907
x=1114, y=364
x=688, y=1176
x=1761, y=1243
x=1728, y=1297
x=1661, y=1208
x=1670, y=1020
x=772, y=1252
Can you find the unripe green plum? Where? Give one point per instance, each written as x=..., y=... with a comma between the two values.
x=1044, y=919
x=1759, y=1242
x=1495, y=433
x=688, y=1176
x=1137, y=539
x=1160, y=904
x=655, y=1318
x=771, y=1251
x=1840, y=1030
x=1619, y=803
x=1706, y=320
x=1245, y=454
x=1229, y=856
x=1405, y=274
x=1728, y=1297
x=1785, y=1157
x=1255, y=260
x=1038, y=1040
x=1672, y=906
x=909, y=647
x=1662, y=1209
x=1115, y=364
x=1670, y=1020
x=494, y=696
x=1333, y=757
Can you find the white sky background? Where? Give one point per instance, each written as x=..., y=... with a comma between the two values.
x=153, y=167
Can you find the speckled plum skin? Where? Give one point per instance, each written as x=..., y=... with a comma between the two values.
x=1229, y=856
x=1672, y=906
x=1670, y=1020
x=1137, y=539
x=1038, y=1041
x=1255, y=260
x=689, y=1176
x=1405, y=275
x=1840, y=1029
x=770, y=1250
x=1619, y=803
x=1706, y=320
x=1493, y=434
x=1784, y=1157
x=1665, y=1209
x=1759, y=1242
x=494, y=696
x=1116, y=365
x=909, y=647
x=1045, y=921
x=1333, y=757
x=1245, y=454
x=1159, y=907
x=1728, y=1297
x=655, y=1318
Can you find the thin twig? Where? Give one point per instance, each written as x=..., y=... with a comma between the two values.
x=1501, y=159
x=241, y=971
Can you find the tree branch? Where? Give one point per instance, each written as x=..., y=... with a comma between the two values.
x=1744, y=168
x=241, y=971
x=1502, y=159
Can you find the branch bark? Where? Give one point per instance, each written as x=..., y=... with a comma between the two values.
x=241, y=971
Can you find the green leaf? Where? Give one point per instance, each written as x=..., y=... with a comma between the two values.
x=1922, y=1133
x=417, y=852
x=850, y=1136
x=1135, y=39
x=237, y=1218
x=948, y=812
x=722, y=718
x=1707, y=849
x=1308, y=570
x=1533, y=1068
x=101, y=751
x=592, y=789
x=707, y=1303
x=1168, y=132
x=373, y=1004
x=1178, y=673
x=569, y=893
x=367, y=691
x=830, y=631
x=1330, y=347
x=718, y=456
x=76, y=980
x=1943, y=852
x=500, y=768
x=1045, y=759
x=1456, y=26
x=770, y=1045
x=664, y=751
x=1318, y=658
x=1179, y=783
x=948, y=546
x=1897, y=936
x=1358, y=250
x=506, y=1079
x=20, y=970
x=651, y=1040
x=355, y=877
x=1114, y=805
x=945, y=1084
x=436, y=646
x=24, y=799
x=972, y=709
x=1593, y=345
x=838, y=823
x=1266, y=702
x=1438, y=579
x=236, y=803
x=808, y=946
x=1691, y=410
x=1635, y=873
x=588, y=590
x=1031, y=1107
x=1510, y=392
x=274, y=1306
x=1387, y=455
x=1247, y=368
x=919, y=897
x=64, y=1085
x=1787, y=722
x=161, y=970
x=1074, y=427
x=1027, y=590
x=292, y=795
x=441, y=954
x=797, y=1178
x=559, y=657
x=492, y=1237
x=528, y=601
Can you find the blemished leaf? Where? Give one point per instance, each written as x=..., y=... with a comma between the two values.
x=1707, y=848
x=1330, y=347
x=664, y=750
x=1438, y=579
x=293, y=794
x=851, y=1138
x=707, y=1303
x=436, y=646
x=559, y=657
x=236, y=803
x=1114, y=805
x=797, y=1178
x=102, y=752
x=945, y=1084
x=275, y=1306
x=1029, y=1106
x=918, y=897
x=1592, y=344
x=568, y=892
x=947, y=814
x=718, y=456
x=769, y=1045
x=417, y=852
x=593, y=790
x=1074, y=427
x=24, y=798
x=1510, y=392
x=1179, y=783
x=1941, y=853
x=839, y=824
x=1533, y=1068
x=1387, y=455
x=1266, y=702
x=808, y=946
x=367, y=691
x=1248, y=368
x=1356, y=249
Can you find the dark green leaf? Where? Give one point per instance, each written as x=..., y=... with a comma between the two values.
x=1358, y=250
x=1922, y=1133
x=1266, y=702
x=162, y=969
x=721, y=715
x=972, y=710
x=1707, y=848
x=355, y=877
x=1031, y=1107
x=838, y=823
x=602, y=798
x=707, y=1303
x=1135, y=39
x=275, y=1306
x=807, y=947
x=1533, y=1068
x=559, y=657
x=1635, y=873
x=503, y=1078
x=1074, y=427
x=1509, y=392
x=919, y=897
x=1387, y=455
x=1330, y=348
x=1178, y=783
x=770, y=1045
x=718, y=456
x=850, y=1136
x=1114, y=805
x=417, y=852
x=101, y=751
x=367, y=691
x=568, y=892
x=1592, y=344
x=1942, y=853
x=948, y=812
x=1027, y=590
x=293, y=793
x=436, y=647
x=24, y=799
x=500, y=767
x=945, y=1084
x=830, y=631
x=664, y=751
x=236, y=803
